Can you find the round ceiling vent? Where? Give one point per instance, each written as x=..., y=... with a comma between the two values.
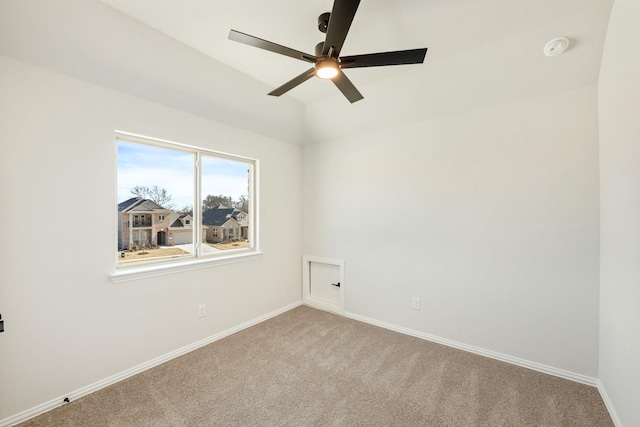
x=556, y=46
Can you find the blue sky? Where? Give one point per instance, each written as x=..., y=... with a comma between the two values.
x=146, y=165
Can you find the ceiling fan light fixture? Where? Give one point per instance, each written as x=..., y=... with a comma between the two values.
x=327, y=69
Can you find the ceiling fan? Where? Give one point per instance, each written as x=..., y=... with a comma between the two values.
x=328, y=64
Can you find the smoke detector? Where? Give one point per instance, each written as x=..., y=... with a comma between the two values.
x=556, y=46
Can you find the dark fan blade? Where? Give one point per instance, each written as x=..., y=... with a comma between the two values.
x=272, y=47
x=399, y=57
x=293, y=82
x=347, y=88
x=339, y=24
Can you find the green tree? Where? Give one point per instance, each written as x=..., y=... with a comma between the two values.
x=242, y=203
x=212, y=201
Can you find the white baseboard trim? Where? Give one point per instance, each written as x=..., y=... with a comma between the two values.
x=609, y=404
x=481, y=351
x=323, y=307
x=52, y=404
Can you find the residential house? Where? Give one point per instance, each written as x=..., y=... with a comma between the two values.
x=225, y=223
x=144, y=223
x=180, y=231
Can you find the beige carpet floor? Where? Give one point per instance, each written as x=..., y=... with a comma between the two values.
x=311, y=368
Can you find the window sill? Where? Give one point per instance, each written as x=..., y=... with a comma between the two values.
x=134, y=273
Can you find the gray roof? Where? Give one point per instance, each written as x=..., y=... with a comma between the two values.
x=138, y=204
x=178, y=222
x=218, y=216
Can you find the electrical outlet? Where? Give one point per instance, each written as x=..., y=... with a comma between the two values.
x=415, y=303
x=202, y=310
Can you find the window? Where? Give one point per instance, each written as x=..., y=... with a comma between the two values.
x=176, y=184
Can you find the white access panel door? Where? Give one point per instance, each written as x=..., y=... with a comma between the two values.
x=323, y=283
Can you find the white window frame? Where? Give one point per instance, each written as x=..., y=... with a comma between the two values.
x=123, y=273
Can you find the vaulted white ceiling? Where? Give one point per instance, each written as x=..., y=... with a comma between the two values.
x=480, y=53
x=516, y=30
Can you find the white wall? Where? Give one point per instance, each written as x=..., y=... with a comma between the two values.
x=67, y=326
x=619, y=101
x=491, y=217
x=92, y=41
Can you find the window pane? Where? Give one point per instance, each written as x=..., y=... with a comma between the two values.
x=225, y=204
x=158, y=183
x=155, y=203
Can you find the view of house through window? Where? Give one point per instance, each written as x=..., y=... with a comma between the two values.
x=158, y=217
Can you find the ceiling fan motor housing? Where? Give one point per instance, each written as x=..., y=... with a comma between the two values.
x=323, y=22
